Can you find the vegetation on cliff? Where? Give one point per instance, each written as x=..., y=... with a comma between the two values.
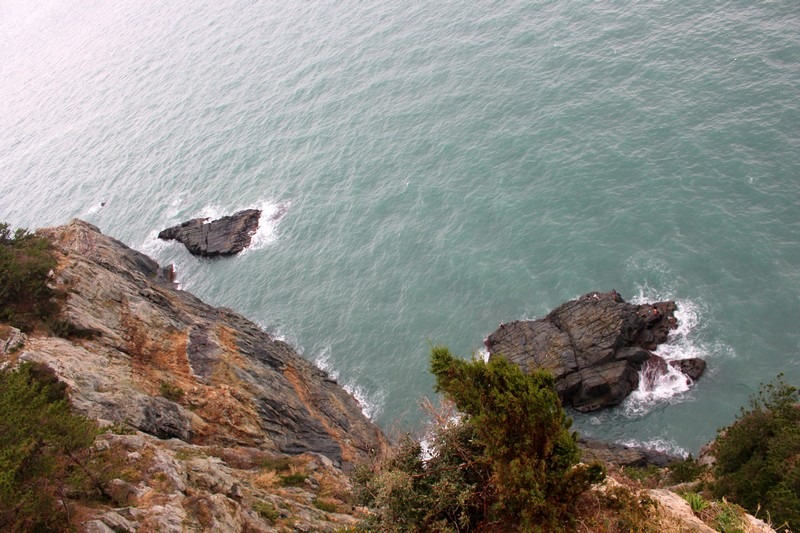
x=509, y=461
x=758, y=456
x=25, y=261
x=42, y=450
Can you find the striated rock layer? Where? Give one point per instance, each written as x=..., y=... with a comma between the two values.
x=228, y=235
x=165, y=363
x=595, y=347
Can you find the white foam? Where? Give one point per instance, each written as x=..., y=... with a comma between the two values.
x=371, y=405
x=323, y=362
x=271, y=215
x=655, y=387
x=153, y=246
x=657, y=444
x=93, y=209
x=483, y=353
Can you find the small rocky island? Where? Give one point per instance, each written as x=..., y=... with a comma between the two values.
x=228, y=235
x=595, y=346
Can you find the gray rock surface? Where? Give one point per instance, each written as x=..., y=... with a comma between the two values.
x=167, y=364
x=228, y=235
x=595, y=346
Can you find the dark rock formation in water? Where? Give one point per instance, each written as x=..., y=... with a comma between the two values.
x=225, y=236
x=595, y=346
x=693, y=367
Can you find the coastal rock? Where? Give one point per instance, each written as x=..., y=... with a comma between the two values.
x=621, y=455
x=595, y=346
x=228, y=235
x=693, y=367
x=163, y=362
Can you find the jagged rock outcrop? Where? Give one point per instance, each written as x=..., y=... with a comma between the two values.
x=228, y=235
x=163, y=362
x=621, y=455
x=594, y=346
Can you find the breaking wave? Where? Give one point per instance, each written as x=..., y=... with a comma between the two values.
x=371, y=403
x=667, y=384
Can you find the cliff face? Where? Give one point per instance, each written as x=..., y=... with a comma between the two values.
x=230, y=383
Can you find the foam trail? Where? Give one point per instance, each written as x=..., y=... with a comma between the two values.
x=371, y=405
x=658, y=444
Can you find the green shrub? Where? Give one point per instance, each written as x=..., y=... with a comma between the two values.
x=170, y=391
x=293, y=480
x=25, y=261
x=696, y=502
x=266, y=510
x=758, y=456
x=41, y=445
x=510, y=462
x=686, y=470
x=282, y=464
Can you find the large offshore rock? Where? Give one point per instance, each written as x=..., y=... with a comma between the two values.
x=228, y=235
x=164, y=362
x=594, y=346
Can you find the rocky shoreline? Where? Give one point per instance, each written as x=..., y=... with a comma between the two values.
x=221, y=426
x=233, y=383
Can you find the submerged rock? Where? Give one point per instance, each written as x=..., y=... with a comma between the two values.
x=595, y=346
x=228, y=235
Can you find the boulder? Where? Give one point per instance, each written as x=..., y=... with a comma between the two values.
x=595, y=346
x=692, y=367
x=228, y=235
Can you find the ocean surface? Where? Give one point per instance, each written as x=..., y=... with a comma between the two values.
x=443, y=167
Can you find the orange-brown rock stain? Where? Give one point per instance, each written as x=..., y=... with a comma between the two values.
x=157, y=356
x=225, y=403
x=305, y=396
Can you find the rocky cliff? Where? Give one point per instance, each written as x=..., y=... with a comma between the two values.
x=165, y=363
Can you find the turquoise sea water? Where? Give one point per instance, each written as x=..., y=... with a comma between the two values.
x=445, y=166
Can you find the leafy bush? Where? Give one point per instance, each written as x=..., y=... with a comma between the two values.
x=282, y=464
x=41, y=443
x=509, y=463
x=171, y=391
x=695, y=501
x=266, y=510
x=25, y=261
x=758, y=456
x=687, y=470
x=294, y=480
